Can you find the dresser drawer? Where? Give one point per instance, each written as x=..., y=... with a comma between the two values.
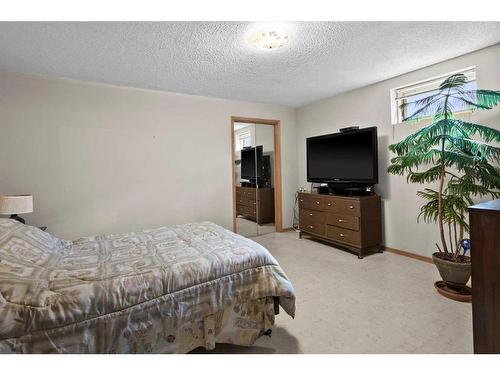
x=312, y=226
x=342, y=206
x=343, y=221
x=252, y=203
x=343, y=235
x=246, y=192
x=310, y=201
x=247, y=211
x=241, y=201
x=312, y=215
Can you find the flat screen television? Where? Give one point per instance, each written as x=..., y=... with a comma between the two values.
x=346, y=157
x=250, y=158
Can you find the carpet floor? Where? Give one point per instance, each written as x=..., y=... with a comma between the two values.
x=384, y=303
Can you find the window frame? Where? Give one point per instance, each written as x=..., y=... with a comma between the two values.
x=423, y=86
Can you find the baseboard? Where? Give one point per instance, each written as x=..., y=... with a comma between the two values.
x=404, y=253
x=408, y=254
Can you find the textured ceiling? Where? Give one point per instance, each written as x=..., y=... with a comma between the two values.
x=215, y=58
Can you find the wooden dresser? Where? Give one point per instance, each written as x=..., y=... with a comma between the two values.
x=256, y=204
x=353, y=223
x=484, y=220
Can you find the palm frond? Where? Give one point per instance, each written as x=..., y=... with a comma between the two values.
x=472, y=147
x=453, y=81
x=484, y=99
x=486, y=133
x=418, y=138
x=483, y=174
x=453, y=208
x=426, y=107
x=467, y=189
x=426, y=137
x=430, y=175
x=454, y=158
x=470, y=103
x=412, y=159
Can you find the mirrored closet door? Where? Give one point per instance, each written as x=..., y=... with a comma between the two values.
x=254, y=178
x=264, y=139
x=245, y=170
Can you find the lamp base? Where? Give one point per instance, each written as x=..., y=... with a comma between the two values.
x=18, y=218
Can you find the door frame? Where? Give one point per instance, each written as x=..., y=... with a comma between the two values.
x=278, y=218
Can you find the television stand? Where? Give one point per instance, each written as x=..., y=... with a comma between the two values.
x=353, y=223
x=346, y=190
x=356, y=191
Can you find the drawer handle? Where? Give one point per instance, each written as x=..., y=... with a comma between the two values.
x=302, y=200
x=341, y=221
x=310, y=214
x=329, y=204
x=341, y=235
x=310, y=226
x=351, y=207
x=317, y=202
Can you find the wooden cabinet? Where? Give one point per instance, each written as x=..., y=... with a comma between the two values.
x=349, y=222
x=484, y=220
x=256, y=204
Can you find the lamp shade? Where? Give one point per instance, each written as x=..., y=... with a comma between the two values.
x=16, y=204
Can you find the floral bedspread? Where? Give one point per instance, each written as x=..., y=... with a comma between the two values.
x=134, y=292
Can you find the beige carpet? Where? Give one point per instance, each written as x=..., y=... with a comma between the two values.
x=384, y=303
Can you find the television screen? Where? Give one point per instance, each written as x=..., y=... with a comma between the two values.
x=250, y=157
x=343, y=157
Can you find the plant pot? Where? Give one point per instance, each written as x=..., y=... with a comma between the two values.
x=455, y=273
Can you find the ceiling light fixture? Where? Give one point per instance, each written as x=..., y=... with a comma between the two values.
x=269, y=40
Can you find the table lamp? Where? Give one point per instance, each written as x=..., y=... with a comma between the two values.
x=16, y=204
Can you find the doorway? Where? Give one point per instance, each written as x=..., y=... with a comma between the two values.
x=256, y=176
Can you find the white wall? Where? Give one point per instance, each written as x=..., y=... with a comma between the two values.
x=371, y=106
x=102, y=159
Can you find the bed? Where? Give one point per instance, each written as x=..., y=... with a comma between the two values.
x=165, y=290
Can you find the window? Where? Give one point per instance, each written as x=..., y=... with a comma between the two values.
x=243, y=140
x=413, y=92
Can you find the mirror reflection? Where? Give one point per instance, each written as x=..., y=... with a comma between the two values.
x=254, y=171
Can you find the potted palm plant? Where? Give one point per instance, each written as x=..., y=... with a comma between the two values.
x=458, y=160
